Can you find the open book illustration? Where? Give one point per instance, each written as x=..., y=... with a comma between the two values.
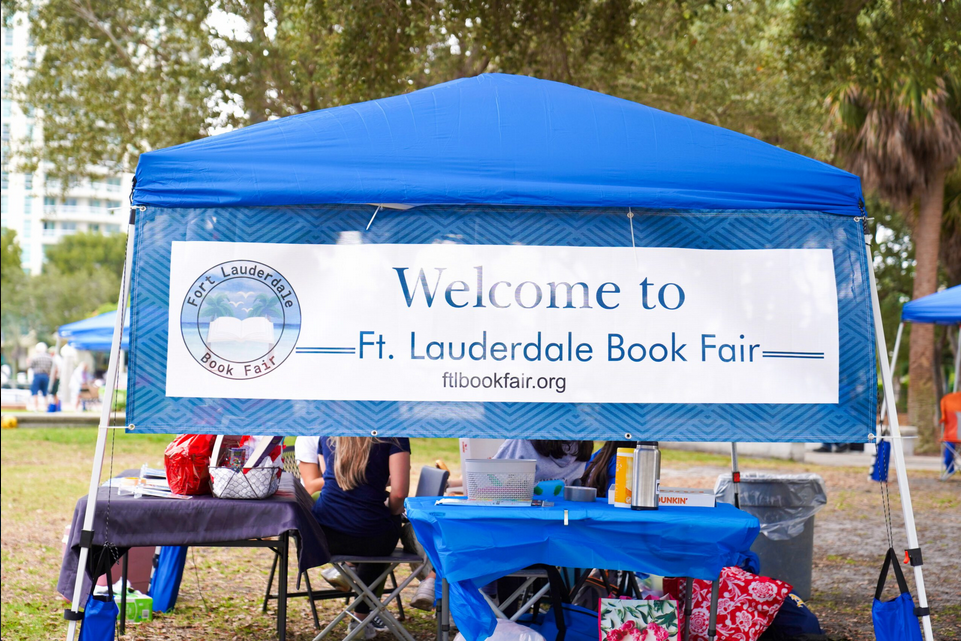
x=240, y=340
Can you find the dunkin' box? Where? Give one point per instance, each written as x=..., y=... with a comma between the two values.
x=685, y=497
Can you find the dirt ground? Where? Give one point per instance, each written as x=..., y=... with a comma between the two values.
x=850, y=538
x=222, y=588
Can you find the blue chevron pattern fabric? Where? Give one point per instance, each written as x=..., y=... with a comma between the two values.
x=850, y=420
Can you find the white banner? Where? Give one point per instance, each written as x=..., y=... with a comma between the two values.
x=448, y=322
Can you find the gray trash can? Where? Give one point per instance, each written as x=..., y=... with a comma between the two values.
x=785, y=504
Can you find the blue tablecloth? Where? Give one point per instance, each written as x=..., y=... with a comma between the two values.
x=471, y=546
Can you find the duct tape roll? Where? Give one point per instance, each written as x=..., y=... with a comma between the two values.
x=581, y=494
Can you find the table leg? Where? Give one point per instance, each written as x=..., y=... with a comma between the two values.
x=123, y=594
x=445, y=610
x=282, y=588
x=712, y=625
x=688, y=607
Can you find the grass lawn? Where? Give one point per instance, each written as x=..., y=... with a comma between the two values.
x=44, y=471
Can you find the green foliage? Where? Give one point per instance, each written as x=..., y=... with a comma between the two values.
x=217, y=306
x=64, y=297
x=88, y=252
x=893, y=269
x=13, y=291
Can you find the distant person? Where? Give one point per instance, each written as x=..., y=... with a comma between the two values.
x=556, y=460
x=68, y=362
x=78, y=380
x=55, y=373
x=39, y=366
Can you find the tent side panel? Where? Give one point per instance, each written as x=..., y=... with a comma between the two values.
x=849, y=420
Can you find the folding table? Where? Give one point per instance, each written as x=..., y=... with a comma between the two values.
x=198, y=521
x=471, y=546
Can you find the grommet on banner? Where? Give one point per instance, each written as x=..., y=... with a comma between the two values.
x=373, y=432
x=627, y=436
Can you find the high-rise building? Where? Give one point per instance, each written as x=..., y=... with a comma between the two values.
x=36, y=208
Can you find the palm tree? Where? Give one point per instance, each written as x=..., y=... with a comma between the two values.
x=264, y=305
x=903, y=139
x=217, y=306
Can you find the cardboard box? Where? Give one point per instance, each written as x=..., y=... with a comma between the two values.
x=685, y=497
x=139, y=606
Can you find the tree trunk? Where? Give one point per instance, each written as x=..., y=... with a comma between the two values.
x=927, y=239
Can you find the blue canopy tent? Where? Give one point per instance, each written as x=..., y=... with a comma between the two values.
x=941, y=308
x=471, y=167
x=95, y=334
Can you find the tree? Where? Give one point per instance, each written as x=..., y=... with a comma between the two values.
x=88, y=252
x=14, y=301
x=896, y=111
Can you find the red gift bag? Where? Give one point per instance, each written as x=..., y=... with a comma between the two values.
x=187, y=462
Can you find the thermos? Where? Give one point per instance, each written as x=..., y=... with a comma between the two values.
x=647, y=475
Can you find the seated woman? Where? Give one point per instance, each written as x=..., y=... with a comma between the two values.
x=556, y=460
x=307, y=454
x=355, y=510
x=600, y=472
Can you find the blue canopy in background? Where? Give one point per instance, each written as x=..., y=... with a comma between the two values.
x=943, y=308
x=95, y=334
x=493, y=139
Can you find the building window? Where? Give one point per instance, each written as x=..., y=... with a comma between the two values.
x=112, y=229
x=114, y=183
x=28, y=181
x=4, y=180
x=95, y=203
x=93, y=227
x=49, y=201
x=8, y=36
x=5, y=131
x=70, y=202
x=27, y=205
x=68, y=226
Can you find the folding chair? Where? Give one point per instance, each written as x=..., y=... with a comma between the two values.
x=432, y=482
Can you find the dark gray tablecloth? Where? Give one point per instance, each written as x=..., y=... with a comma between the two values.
x=151, y=521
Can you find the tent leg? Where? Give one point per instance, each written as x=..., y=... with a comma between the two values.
x=735, y=476
x=111, y=384
x=897, y=445
x=894, y=362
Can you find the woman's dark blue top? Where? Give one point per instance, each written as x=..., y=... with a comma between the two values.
x=361, y=511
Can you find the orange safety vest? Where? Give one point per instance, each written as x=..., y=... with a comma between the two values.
x=950, y=411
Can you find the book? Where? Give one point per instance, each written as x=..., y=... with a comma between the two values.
x=638, y=620
x=257, y=329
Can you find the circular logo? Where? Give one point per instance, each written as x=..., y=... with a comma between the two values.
x=240, y=319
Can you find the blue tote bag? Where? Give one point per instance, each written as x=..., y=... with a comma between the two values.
x=99, y=618
x=894, y=620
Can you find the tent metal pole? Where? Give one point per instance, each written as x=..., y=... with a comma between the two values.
x=110, y=382
x=894, y=362
x=897, y=445
x=735, y=476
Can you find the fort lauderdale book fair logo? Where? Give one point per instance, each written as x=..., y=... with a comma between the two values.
x=240, y=319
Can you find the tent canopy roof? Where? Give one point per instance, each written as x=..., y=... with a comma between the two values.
x=492, y=139
x=942, y=307
x=96, y=333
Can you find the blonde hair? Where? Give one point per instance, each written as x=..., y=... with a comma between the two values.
x=351, y=454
